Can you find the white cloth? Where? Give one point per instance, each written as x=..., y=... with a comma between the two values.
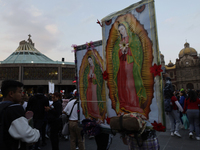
x=20, y=129
x=25, y=105
x=74, y=115
x=179, y=106
x=50, y=103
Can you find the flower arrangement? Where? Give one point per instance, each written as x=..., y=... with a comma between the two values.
x=75, y=47
x=89, y=45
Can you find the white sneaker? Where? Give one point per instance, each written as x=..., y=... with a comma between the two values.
x=77, y=148
x=198, y=138
x=66, y=137
x=177, y=134
x=91, y=137
x=172, y=133
x=46, y=136
x=191, y=135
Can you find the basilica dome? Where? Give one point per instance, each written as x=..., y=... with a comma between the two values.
x=187, y=50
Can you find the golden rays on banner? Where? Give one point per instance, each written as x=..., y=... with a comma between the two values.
x=128, y=61
x=92, y=86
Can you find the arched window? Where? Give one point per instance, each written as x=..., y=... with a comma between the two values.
x=190, y=86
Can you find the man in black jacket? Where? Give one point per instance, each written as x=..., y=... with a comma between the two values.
x=15, y=131
x=37, y=104
x=54, y=120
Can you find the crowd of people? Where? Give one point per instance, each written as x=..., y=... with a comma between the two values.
x=184, y=103
x=27, y=120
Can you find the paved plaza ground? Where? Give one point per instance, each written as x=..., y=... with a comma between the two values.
x=166, y=142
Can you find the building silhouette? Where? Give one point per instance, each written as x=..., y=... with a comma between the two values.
x=29, y=66
x=185, y=73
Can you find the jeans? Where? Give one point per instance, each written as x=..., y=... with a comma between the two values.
x=174, y=115
x=193, y=117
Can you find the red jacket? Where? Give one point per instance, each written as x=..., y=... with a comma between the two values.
x=191, y=105
x=173, y=99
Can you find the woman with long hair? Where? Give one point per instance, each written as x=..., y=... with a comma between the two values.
x=191, y=106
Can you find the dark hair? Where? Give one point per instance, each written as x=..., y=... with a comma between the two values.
x=60, y=96
x=10, y=85
x=56, y=94
x=40, y=89
x=192, y=96
x=184, y=94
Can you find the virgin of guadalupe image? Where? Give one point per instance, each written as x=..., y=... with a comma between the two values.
x=130, y=81
x=92, y=92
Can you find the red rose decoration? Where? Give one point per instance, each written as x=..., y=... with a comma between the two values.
x=105, y=75
x=156, y=70
x=158, y=126
x=108, y=120
x=99, y=22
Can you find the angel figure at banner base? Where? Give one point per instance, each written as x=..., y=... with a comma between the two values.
x=92, y=92
x=128, y=67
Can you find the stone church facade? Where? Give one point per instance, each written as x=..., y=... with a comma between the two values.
x=185, y=73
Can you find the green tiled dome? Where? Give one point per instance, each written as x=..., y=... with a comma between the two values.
x=27, y=53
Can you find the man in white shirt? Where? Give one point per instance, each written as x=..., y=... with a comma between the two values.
x=74, y=129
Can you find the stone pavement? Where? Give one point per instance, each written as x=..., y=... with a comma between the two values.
x=166, y=142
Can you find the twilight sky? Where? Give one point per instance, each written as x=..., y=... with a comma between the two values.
x=56, y=25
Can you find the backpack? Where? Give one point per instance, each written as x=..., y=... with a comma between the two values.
x=167, y=105
x=3, y=106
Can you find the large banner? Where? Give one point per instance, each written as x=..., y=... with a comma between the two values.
x=91, y=86
x=126, y=54
x=130, y=49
